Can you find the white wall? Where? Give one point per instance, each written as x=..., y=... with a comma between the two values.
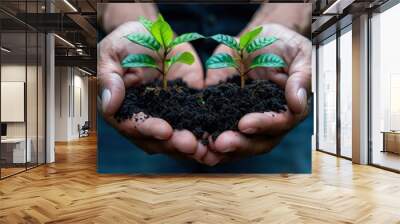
x=81, y=89
x=61, y=103
x=16, y=73
x=71, y=93
x=12, y=73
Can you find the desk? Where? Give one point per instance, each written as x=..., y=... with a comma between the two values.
x=16, y=147
x=391, y=141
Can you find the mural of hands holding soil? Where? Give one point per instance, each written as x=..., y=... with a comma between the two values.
x=204, y=88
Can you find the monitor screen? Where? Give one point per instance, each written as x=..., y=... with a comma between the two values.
x=3, y=129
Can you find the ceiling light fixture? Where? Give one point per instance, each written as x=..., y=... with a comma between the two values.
x=329, y=9
x=84, y=71
x=337, y=7
x=64, y=40
x=5, y=50
x=70, y=5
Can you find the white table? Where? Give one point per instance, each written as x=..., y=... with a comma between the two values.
x=18, y=144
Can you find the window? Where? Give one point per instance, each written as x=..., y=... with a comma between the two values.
x=327, y=96
x=346, y=92
x=385, y=89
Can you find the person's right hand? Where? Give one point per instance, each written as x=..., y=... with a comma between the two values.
x=261, y=132
x=154, y=135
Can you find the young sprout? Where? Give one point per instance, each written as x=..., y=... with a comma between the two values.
x=160, y=40
x=248, y=43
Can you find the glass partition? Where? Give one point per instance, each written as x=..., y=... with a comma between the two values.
x=14, y=153
x=327, y=95
x=22, y=88
x=31, y=98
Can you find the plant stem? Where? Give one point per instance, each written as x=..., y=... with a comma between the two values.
x=242, y=80
x=164, y=83
x=241, y=73
x=164, y=75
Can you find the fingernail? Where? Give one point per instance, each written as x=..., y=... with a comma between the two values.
x=228, y=150
x=249, y=131
x=302, y=98
x=105, y=99
x=159, y=137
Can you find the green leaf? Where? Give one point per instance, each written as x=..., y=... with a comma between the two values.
x=146, y=23
x=160, y=17
x=226, y=40
x=185, y=58
x=144, y=40
x=259, y=43
x=267, y=60
x=221, y=60
x=185, y=38
x=138, y=60
x=162, y=32
x=248, y=37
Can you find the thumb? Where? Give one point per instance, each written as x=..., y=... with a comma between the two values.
x=296, y=91
x=298, y=84
x=110, y=81
x=111, y=92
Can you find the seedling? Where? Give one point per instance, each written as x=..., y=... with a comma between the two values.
x=160, y=40
x=248, y=43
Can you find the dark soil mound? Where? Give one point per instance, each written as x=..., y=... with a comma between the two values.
x=212, y=110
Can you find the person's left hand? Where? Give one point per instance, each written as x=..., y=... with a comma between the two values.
x=261, y=132
x=153, y=135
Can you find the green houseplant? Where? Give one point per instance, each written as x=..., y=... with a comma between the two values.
x=160, y=40
x=249, y=42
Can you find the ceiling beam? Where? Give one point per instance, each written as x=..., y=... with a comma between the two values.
x=89, y=30
x=320, y=22
x=82, y=61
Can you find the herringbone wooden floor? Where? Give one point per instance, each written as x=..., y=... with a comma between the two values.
x=70, y=191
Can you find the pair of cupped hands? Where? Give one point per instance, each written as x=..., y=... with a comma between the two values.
x=258, y=132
